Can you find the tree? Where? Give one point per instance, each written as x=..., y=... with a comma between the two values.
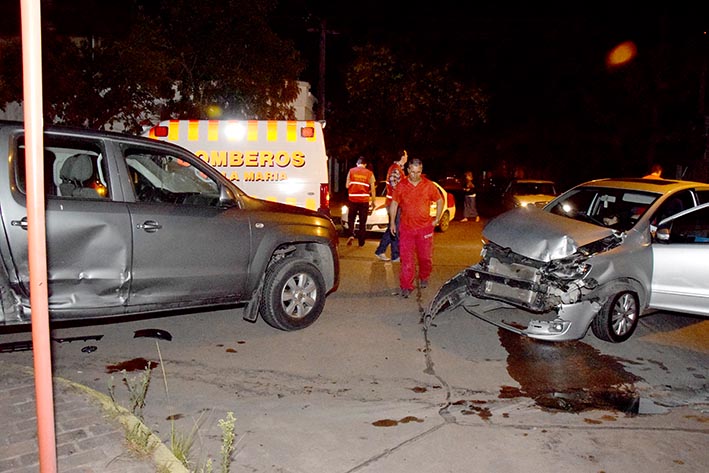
x=226, y=55
x=172, y=59
x=393, y=102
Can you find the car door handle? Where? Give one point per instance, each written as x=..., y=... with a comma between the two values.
x=20, y=223
x=150, y=226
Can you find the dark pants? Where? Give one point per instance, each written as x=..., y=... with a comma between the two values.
x=389, y=239
x=360, y=211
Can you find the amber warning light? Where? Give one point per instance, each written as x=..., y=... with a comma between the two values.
x=307, y=132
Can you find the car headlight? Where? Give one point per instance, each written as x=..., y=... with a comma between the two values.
x=344, y=209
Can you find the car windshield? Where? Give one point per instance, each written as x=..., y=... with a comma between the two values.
x=619, y=209
x=530, y=188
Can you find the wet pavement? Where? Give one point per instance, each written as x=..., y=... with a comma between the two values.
x=367, y=389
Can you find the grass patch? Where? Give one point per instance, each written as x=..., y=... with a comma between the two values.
x=139, y=436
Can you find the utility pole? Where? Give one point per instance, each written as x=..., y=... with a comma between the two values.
x=321, y=70
x=321, y=76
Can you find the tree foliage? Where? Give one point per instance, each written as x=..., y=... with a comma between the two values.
x=393, y=102
x=175, y=59
x=226, y=54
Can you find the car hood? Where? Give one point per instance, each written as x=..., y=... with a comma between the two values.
x=534, y=198
x=540, y=235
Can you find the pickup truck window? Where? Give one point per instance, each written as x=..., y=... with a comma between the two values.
x=168, y=179
x=70, y=171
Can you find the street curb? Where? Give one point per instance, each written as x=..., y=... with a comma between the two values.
x=162, y=456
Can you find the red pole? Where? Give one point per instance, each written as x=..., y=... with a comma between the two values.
x=36, y=234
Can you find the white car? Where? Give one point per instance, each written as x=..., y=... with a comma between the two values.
x=525, y=192
x=680, y=252
x=596, y=257
x=378, y=219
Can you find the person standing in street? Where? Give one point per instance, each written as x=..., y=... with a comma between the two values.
x=395, y=174
x=470, y=209
x=361, y=189
x=413, y=196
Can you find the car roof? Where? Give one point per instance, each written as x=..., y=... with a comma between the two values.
x=100, y=134
x=533, y=181
x=661, y=186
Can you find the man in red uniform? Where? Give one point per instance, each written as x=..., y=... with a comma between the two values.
x=360, y=193
x=395, y=174
x=413, y=196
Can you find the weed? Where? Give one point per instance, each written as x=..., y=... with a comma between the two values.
x=207, y=468
x=138, y=439
x=137, y=389
x=228, y=437
x=180, y=445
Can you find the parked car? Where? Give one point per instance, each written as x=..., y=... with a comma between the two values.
x=135, y=225
x=379, y=219
x=598, y=256
x=524, y=192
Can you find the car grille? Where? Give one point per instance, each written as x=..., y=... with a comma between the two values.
x=512, y=282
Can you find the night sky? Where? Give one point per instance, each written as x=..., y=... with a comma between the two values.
x=521, y=54
x=538, y=64
x=523, y=57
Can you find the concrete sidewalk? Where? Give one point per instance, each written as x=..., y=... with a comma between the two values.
x=90, y=430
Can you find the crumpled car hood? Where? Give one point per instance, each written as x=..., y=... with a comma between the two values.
x=540, y=235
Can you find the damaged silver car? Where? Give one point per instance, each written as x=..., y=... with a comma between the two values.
x=584, y=260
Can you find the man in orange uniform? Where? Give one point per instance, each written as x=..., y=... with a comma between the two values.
x=414, y=197
x=360, y=193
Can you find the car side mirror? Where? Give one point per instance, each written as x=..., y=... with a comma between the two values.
x=226, y=197
x=663, y=235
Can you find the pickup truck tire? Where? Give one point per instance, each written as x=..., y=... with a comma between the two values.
x=293, y=295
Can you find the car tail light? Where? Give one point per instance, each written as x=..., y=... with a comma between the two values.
x=450, y=200
x=324, y=196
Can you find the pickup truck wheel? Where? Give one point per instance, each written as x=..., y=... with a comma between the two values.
x=293, y=295
x=618, y=318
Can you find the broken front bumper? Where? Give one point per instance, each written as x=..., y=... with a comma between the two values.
x=513, y=304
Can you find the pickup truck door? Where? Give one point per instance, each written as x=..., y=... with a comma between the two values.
x=88, y=234
x=186, y=248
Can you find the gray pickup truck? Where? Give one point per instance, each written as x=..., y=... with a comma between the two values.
x=137, y=226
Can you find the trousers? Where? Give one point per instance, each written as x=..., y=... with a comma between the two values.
x=470, y=210
x=390, y=240
x=360, y=211
x=415, y=245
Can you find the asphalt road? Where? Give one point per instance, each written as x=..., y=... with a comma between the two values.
x=367, y=389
